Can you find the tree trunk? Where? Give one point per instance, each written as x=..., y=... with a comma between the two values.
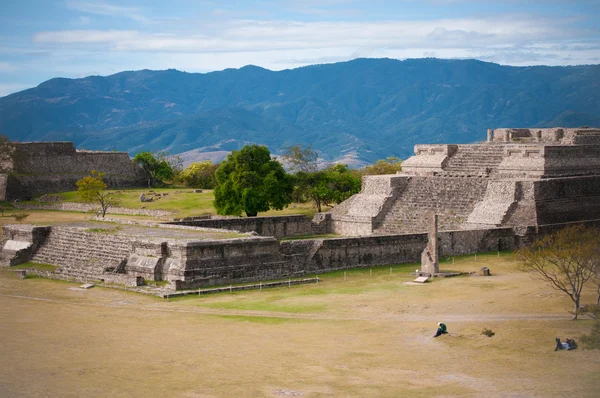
x=318, y=204
x=576, y=311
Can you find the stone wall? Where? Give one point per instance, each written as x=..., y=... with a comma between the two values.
x=555, y=135
x=227, y=261
x=360, y=214
x=3, y=186
x=453, y=199
x=567, y=199
x=39, y=168
x=277, y=226
x=83, y=255
x=544, y=161
x=317, y=256
x=537, y=202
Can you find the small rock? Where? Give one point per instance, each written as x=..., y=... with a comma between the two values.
x=87, y=286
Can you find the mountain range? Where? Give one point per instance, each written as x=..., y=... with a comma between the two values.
x=356, y=112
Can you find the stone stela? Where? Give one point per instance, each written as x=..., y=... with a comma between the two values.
x=429, y=257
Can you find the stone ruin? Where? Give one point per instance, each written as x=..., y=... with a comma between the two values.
x=35, y=168
x=497, y=195
x=429, y=258
x=519, y=177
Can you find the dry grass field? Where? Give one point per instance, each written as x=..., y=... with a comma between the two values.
x=367, y=336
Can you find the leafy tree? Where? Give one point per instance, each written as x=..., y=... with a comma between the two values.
x=330, y=186
x=200, y=175
x=93, y=189
x=389, y=165
x=158, y=166
x=564, y=259
x=301, y=158
x=250, y=181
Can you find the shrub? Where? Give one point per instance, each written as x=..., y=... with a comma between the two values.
x=487, y=332
x=20, y=216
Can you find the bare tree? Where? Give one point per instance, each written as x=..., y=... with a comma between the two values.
x=564, y=259
x=596, y=280
x=301, y=158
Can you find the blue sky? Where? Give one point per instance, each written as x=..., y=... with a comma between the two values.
x=41, y=39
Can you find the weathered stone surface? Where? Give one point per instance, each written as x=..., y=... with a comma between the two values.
x=429, y=257
x=15, y=245
x=277, y=226
x=42, y=167
x=519, y=177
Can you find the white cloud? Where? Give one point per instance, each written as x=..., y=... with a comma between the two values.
x=106, y=9
x=279, y=44
x=276, y=35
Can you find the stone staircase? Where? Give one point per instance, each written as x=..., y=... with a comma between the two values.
x=452, y=199
x=474, y=161
x=80, y=254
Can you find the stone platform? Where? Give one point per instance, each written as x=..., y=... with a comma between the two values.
x=518, y=177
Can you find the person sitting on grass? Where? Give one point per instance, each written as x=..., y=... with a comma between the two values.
x=441, y=329
x=569, y=344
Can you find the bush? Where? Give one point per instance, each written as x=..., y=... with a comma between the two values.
x=487, y=332
x=20, y=216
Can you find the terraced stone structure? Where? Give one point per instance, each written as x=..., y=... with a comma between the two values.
x=35, y=168
x=184, y=257
x=519, y=177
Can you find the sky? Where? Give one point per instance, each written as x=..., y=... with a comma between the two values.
x=42, y=39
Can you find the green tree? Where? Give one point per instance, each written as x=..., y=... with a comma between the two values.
x=390, y=165
x=93, y=189
x=330, y=186
x=301, y=158
x=564, y=259
x=200, y=175
x=158, y=166
x=250, y=181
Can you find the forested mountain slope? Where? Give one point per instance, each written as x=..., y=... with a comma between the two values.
x=360, y=110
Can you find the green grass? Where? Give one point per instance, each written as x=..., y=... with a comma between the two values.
x=103, y=230
x=39, y=267
x=157, y=283
x=182, y=202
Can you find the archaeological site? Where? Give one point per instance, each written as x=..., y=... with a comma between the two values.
x=36, y=168
x=495, y=195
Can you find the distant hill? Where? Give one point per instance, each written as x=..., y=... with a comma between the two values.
x=358, y=111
